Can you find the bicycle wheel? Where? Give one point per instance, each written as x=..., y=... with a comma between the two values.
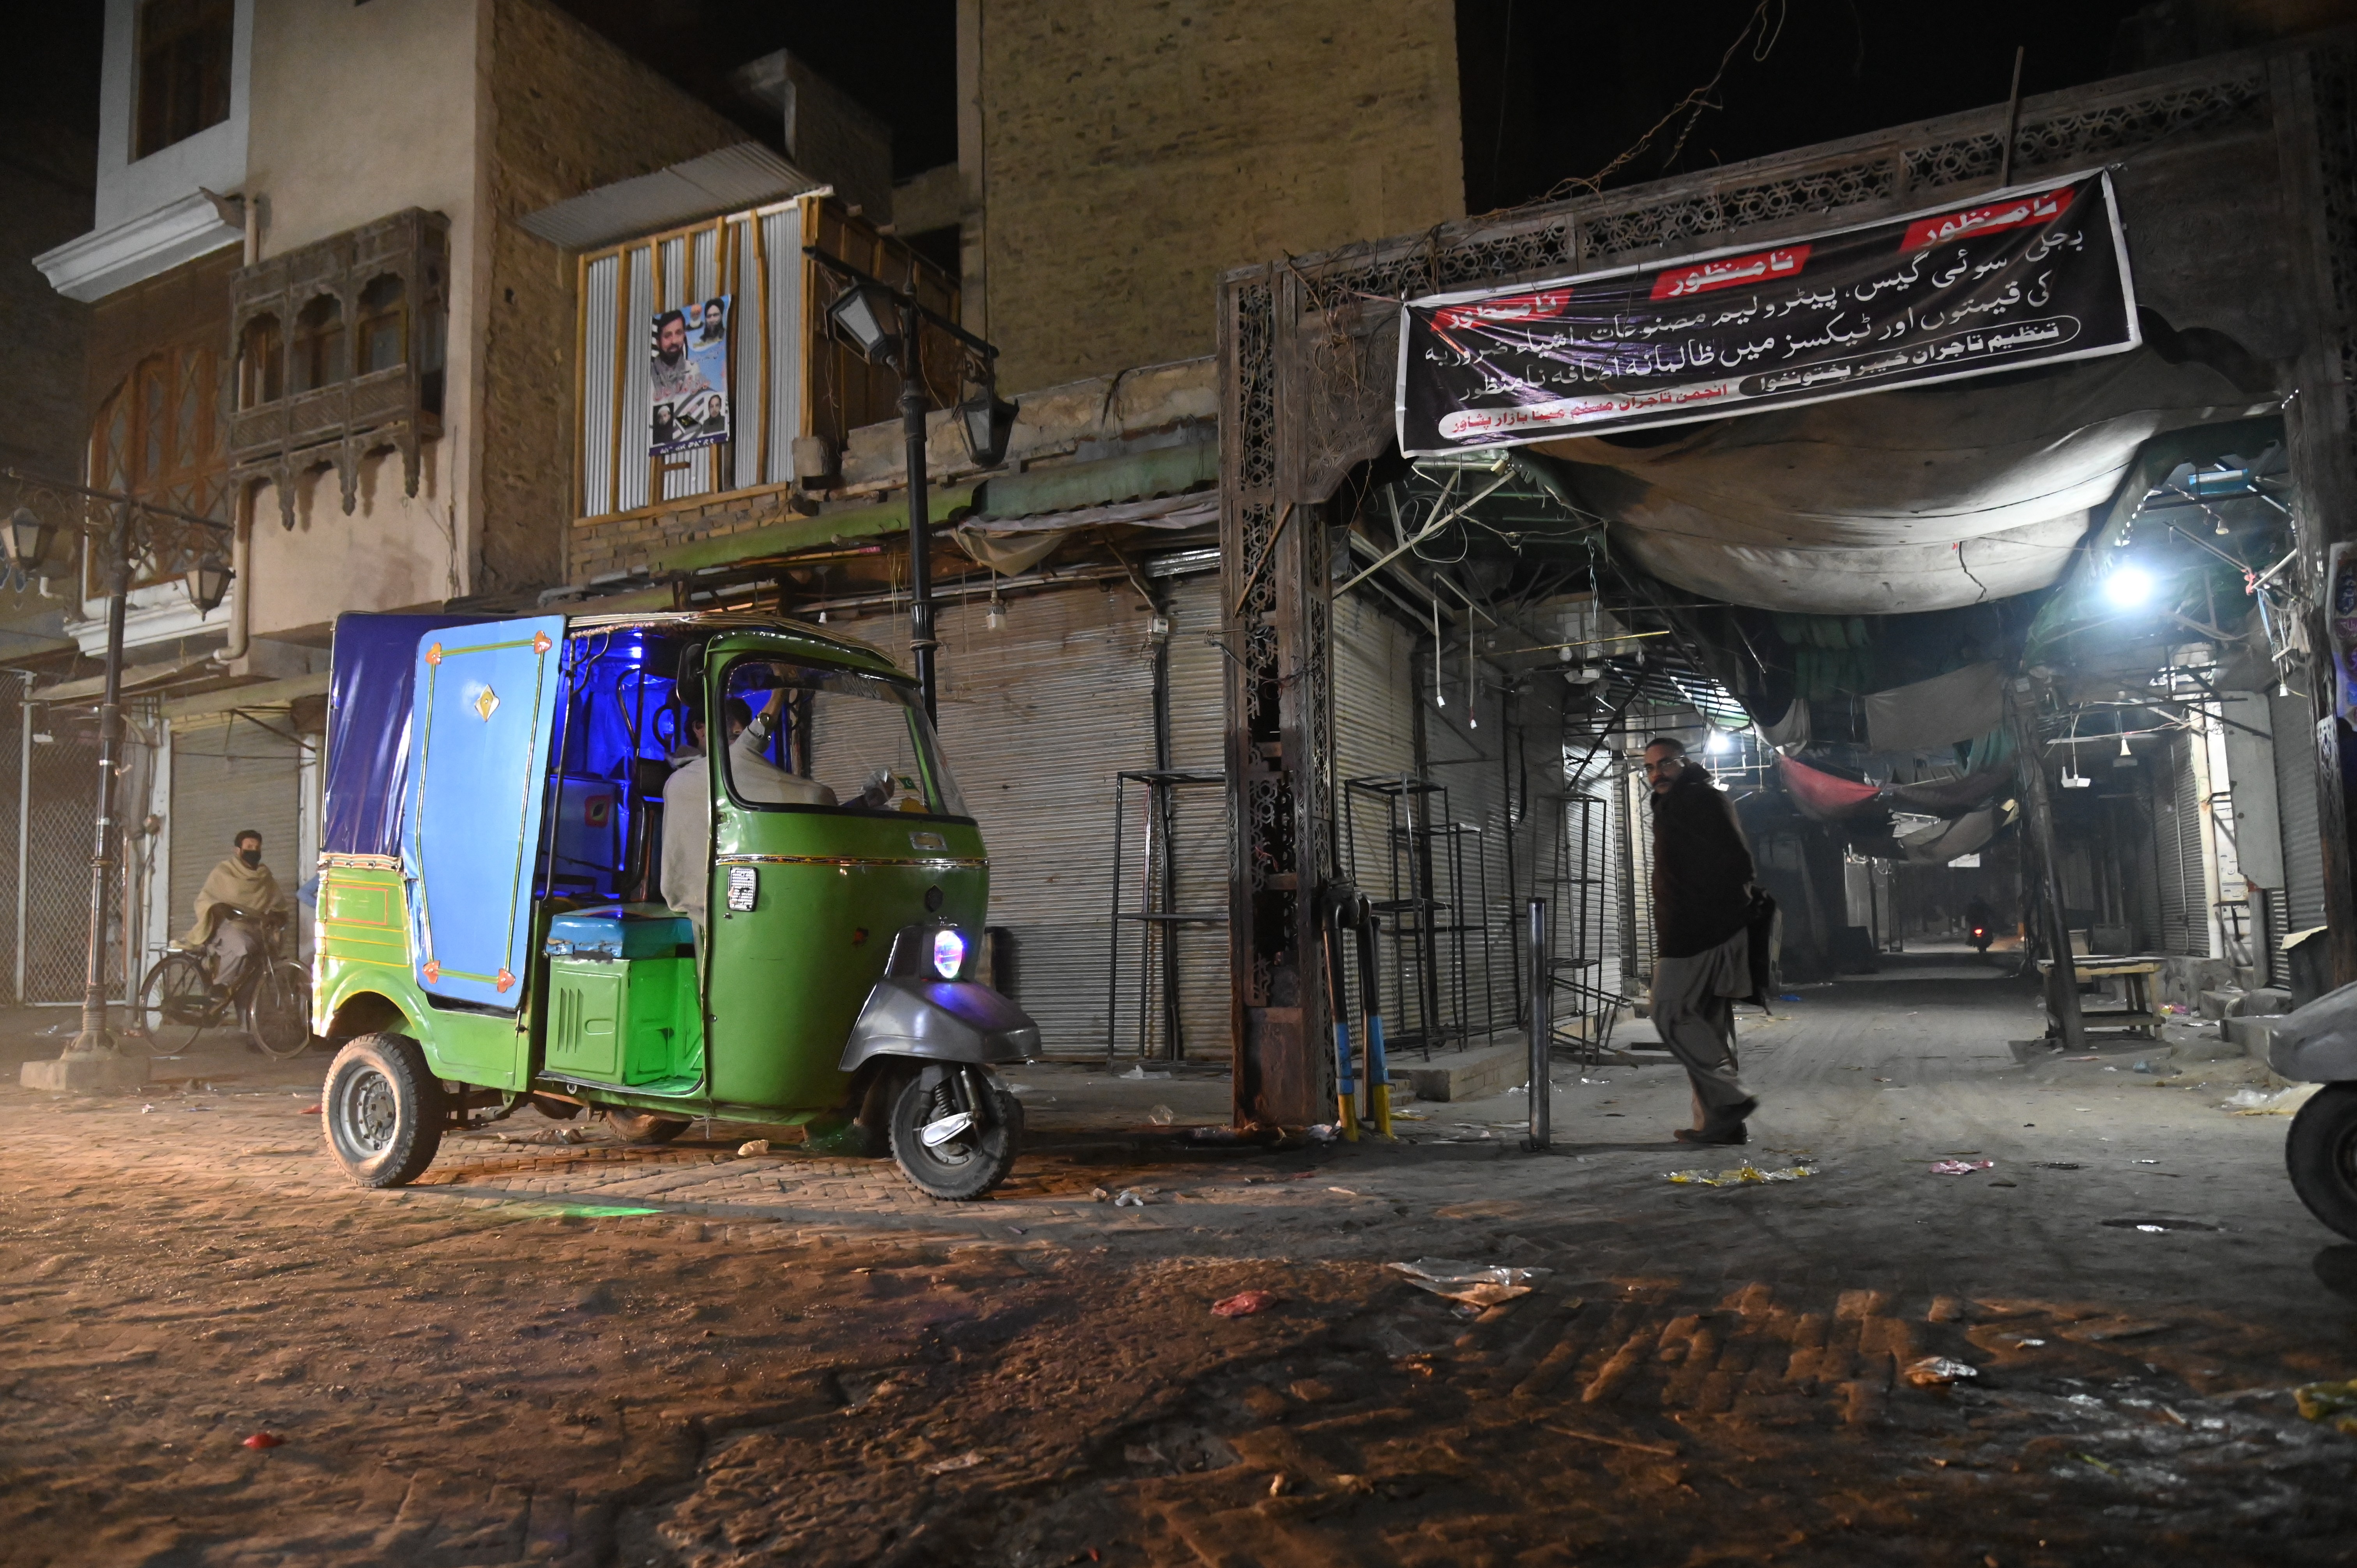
x=176, y=1005
x=280, y=1020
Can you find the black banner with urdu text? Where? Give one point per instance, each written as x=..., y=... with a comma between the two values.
x=2031, y=277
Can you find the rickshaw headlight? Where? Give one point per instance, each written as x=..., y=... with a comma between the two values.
x=948, y=953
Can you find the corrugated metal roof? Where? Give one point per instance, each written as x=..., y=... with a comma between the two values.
x=729, y=180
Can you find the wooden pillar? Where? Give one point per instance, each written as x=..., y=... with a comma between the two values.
x=1273, y=590
x=2314, y=95
x=2037, y=806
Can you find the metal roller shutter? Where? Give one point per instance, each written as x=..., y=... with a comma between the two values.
x=1038, y=717
x=1374, y=738
x=226, y=777
x=1200, y=836
x=2303, y=842
x=2177, y=833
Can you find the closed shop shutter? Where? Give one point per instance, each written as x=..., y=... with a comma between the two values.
x=1199, y=837
x=1036, y=718
x=2303, y=843
x=2177, y=833
x=1374, y=745
x=226, y=777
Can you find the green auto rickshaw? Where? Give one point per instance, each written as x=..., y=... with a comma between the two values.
x=656, y=867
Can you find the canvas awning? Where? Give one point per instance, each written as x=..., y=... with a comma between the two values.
x=1905, y=500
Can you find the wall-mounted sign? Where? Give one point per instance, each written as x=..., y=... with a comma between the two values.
x=687, y=377
x=2033, y=275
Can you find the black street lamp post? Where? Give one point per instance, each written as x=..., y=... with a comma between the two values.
x=160, y=535
x=886, y=324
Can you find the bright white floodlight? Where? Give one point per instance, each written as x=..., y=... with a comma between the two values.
x=2127, y=587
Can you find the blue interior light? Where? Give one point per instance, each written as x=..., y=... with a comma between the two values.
x=949, y=954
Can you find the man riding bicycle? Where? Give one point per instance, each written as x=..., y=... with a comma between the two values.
x=233, y=908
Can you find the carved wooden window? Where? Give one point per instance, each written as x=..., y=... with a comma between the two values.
x=318, y=357
x=261, y=363
x=185, y=48
x=340, y=350
x=384, y=324
x=158, y=436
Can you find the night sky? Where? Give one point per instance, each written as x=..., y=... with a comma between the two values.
x=1549, y=91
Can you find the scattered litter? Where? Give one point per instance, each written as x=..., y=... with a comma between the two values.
x=1245, y=1303
x=751, y=1146
x=1345, y=1191
x=1162, y=1116
x=1323, y=1133
x=2146, y=1067
x=965, y=1461
x=2148, y=1162
x=1129, y=1198
x=1596, y=1080
x=1139, y=1073
x=264, y=1440
x=146, y=1109
x=1418, y=1115
x=309, y=1110
x=2259, y=1102
x=2098, y=1463
x=2156, y=1224
x=1961, y=1167
x=1744, y=1175
x=2081, y=1059
x=2030, y=1344
x=1790, y=996
x=2061, y=1166
x=2004, y=1184
x=1476, y=1284
x=2335, y=1402
x=1934, y=1371
x=1100, y=1195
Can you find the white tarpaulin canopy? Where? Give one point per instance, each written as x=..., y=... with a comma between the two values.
x=1903, y=501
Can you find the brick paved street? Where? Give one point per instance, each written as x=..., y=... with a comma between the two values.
x=578, y=1352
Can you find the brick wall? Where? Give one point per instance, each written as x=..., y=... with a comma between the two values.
x=570, y=113
x=1124, y=153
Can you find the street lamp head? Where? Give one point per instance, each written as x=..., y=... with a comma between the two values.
x=207, y=585
x=2127, y=587
x=989, y=422
x=25, y=540
x=868, y=315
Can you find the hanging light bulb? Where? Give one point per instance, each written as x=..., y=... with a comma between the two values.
x=1439, y=697
x=994, y=618
x=2126, y=758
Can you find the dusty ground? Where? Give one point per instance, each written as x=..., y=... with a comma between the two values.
x=568, y=1353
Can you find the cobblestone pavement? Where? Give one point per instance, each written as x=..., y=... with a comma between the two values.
x=578, y=1352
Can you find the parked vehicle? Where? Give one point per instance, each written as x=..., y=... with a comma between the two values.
x=493, y=928
x=2318, y=1044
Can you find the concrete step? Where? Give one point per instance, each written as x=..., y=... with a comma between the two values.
x=1474, y=1073
x=2265, y=1000
x=2250, y=1033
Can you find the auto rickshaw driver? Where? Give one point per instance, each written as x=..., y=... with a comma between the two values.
x=687, y=800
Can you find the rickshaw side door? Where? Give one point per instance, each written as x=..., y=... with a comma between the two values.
x=480, y=737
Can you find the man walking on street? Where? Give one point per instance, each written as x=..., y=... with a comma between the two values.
x=1702, y=903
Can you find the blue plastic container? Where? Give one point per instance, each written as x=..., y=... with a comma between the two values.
x=611, y=934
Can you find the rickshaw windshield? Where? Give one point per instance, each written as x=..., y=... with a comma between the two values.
x=807, y=739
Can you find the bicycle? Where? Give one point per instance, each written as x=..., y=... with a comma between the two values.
x=179, y=1002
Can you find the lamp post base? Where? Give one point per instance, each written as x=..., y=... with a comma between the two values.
x=86, y=1072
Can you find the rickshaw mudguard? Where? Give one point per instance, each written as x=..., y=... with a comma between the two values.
x=2317, y=1043
x=941, y=1021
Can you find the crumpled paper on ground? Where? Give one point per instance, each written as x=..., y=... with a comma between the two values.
x=1961, y=1167
x=1476, y=1284
x=2259, y=1102
x=1744, y=1175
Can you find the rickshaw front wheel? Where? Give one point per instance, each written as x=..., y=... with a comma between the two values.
x=954, y=1130
x=382, y=1110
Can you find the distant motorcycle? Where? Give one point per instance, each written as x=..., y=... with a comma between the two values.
x=1982, y=937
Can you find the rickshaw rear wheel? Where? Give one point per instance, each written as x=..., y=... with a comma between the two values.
x=964, y=1166
x=2321, y=1153
x=643, y=1126
x=382, y=1110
